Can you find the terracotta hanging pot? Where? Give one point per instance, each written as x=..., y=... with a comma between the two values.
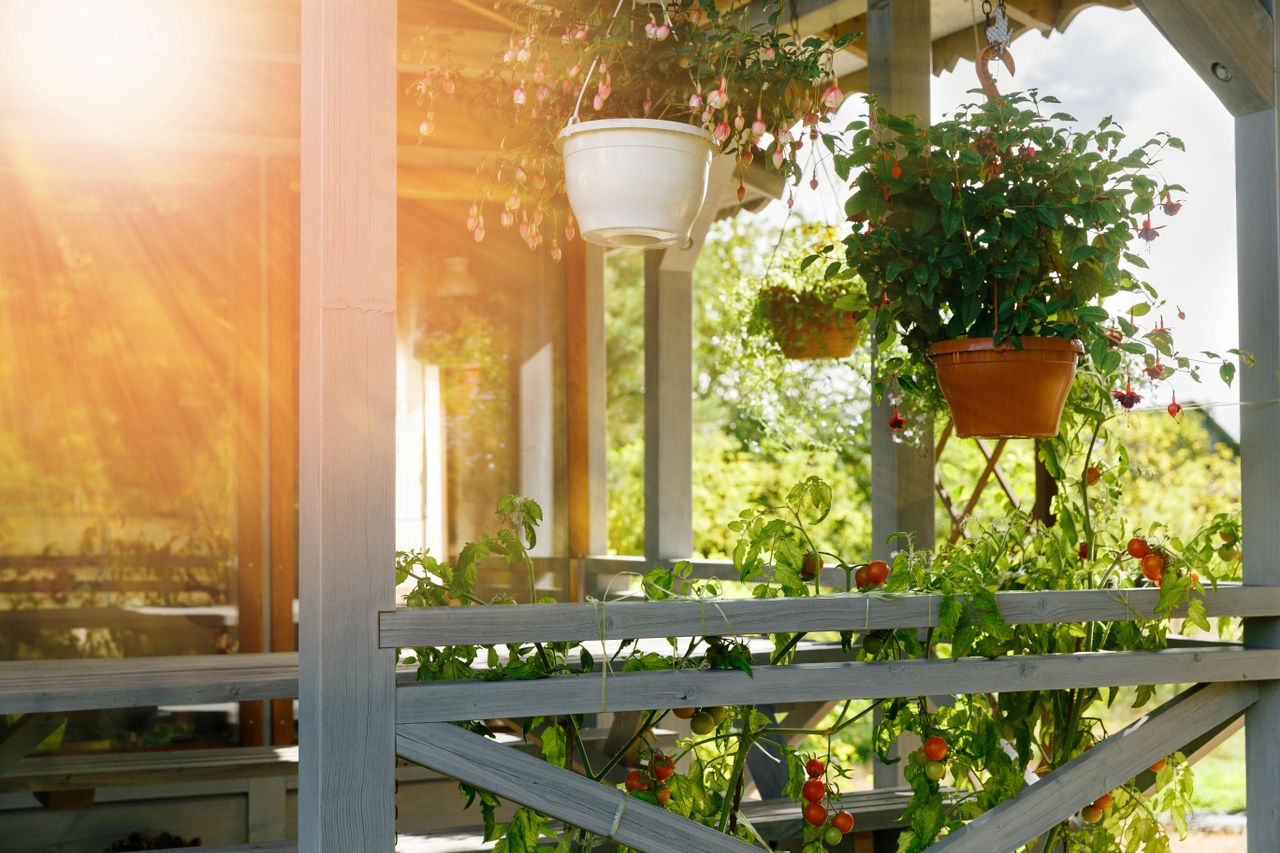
x=1002, y=391
x=811, y=340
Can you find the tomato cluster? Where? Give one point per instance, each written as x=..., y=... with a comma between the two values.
x=653, y=778
x=929, y=757
x=1152, y=561
x=702, y=721
x=873, y=575
x=815, y=793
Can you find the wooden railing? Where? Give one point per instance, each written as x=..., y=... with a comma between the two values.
x=423, y=710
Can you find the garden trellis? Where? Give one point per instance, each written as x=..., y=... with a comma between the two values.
x=354, y=717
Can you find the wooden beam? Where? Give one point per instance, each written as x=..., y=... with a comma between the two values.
x=346, y=788
x=1229, y=43
x=440, y=626
x=586, y=401
x=438, y=701
x=575, y=799
x=49, y=686
x=1113, y=762
x=28, y=732
x=1258, y=264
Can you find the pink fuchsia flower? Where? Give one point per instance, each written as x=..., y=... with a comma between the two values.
x=662, y=32
x=738, y=121
x=507, y=218
x=556, y=254
x=544, y=92
x=648, y=102
x=425, y=128
x=721, y=133
x=833, y=97
x=758, y=128
x=695, y=102
x=473, y=218
x=518, y=96
x=570, y=231
x=778, y=157
x=718, y=99
x=651, y=28
x=896, y=421
x=1169, y=206
x=1147, y=232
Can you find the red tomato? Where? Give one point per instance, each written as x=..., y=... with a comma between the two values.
x=815, y=814
x=842, y=821
x=877, y=572
x=1091, y=814
x=685, y=713
x=815, y=767
x=860, y=578
x=663, y=794
x=1092, y=475
x=1103, y=803
x=1137, y=548
x=636, y=781
x=812, y=566
x=662, y=766
x=935, y=748
x=1152, y=566
x=814, y=790
x=1158, y=766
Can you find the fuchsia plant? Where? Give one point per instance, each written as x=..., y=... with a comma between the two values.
x=733, y=72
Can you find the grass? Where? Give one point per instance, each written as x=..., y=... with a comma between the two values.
x=1220, y=777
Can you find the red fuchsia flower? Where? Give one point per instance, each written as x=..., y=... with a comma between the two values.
x=1155, y=371
x=833, y=97
x=813, y=182
x=1128, y=397
x=718, y=99
x=992, y=169
x=811, y=119
x=1174, y=408
x=1169, y=206
x=791, y=200
x=758, y=128
x=721, y=133
x=742, y=190
x=1027, y=151
x=896, y=421
x=518, y=96
x=1146, y=232
x=895, y=171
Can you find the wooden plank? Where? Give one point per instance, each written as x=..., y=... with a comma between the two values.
x=1258, y=283
x=530, y=781
x=586, y=399
x=838, y=612
x=1235, y=36
x=283, y=214
x=346, y=789
x=29, y=732
x=1111, y=763
x=476, y=700
x=73, y=685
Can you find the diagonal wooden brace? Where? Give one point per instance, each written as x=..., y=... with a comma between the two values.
x=1111, y=763
x=574, y=799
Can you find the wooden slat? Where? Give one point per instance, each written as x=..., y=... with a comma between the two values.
x=1109, y=764
x=575, y=799
x=75, y=685
x=1237, y=34
x=477, y=700
x=853, y=611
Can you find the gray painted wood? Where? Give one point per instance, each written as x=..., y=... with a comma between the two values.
x=347, y=425
x=597, y=401
x=1109, y=764
x=854, y=611
x=1235, y=33
x=75, y=685
x=30, y=731
x=1258, y=270
x=575, y=799
x=477, y=700
x=899, y=73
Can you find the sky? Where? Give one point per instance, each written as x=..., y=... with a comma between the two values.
x=1116, y=63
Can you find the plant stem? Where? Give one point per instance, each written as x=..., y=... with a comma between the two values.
x=735, y=775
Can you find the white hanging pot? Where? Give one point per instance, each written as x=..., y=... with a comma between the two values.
x=636, y=182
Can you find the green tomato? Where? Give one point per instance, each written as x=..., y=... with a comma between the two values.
x=832, y=836
x=919, y=758
x=702, y=723
x=935, y=770
x=717, y=713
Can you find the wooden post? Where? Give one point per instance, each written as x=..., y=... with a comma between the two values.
x=668, y=383
x=1257, y=239
x=585, y=389
x=899, y=71
x=347, y=419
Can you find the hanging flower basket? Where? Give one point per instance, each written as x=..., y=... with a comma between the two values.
x=636, y=182
x=1003, y=391
x=828, y=339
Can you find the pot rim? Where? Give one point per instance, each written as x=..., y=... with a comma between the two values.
x=978, y=345
x=658, y=124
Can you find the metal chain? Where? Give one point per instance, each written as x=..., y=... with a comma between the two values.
x=999, y=32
